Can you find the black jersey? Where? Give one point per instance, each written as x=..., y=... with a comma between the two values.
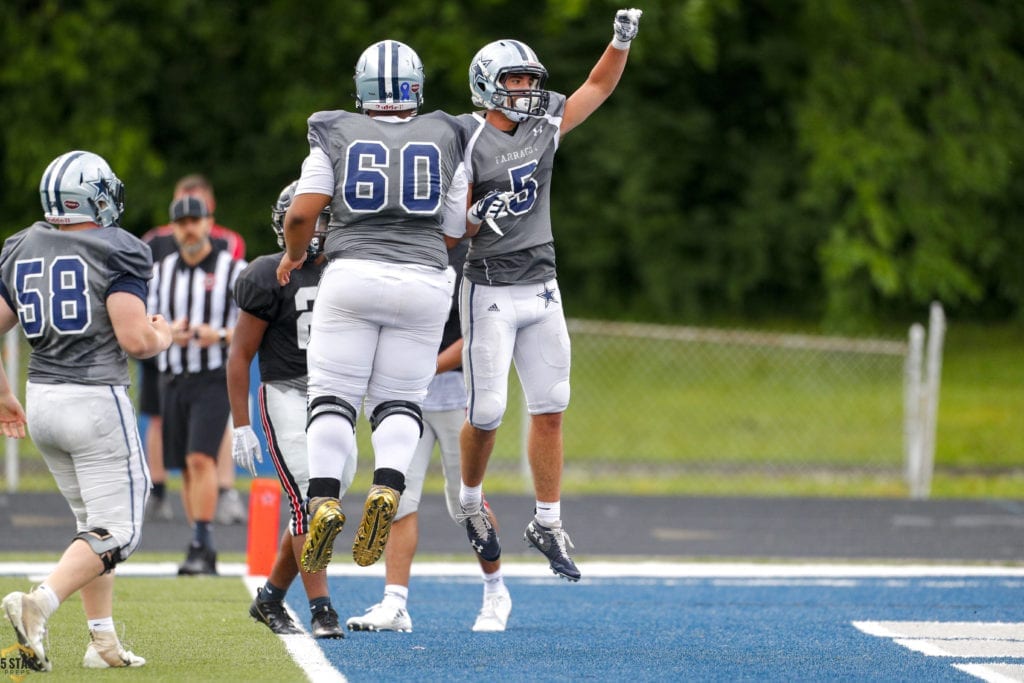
x=288, y=311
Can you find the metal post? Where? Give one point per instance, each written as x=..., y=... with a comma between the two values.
x=932, y=380
x=912, y=411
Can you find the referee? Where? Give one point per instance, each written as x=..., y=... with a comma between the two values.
x=192, y=288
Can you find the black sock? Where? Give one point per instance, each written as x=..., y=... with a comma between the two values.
x=272, y=593
x=158, y=490
x=385, y=476
x=323, y=487
x=318, y=604
x=201, y=534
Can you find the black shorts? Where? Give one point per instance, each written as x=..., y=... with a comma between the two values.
x=149, y=388
x=195, y=411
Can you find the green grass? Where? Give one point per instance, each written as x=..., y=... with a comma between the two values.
x=656, y=417
x=188, y=630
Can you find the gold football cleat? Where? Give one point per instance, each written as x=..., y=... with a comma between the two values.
x=372, y=535
x=325, y=525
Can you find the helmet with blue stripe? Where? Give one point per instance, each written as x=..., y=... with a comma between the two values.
x=80, y=187
x=488, y=70
x=389, y=77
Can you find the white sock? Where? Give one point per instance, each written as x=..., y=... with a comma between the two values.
x=548, y=514
x=471, y=497
x=494, y=583
x=395, y=595
x=104, y=624
x=330, y=442
x=51, y=603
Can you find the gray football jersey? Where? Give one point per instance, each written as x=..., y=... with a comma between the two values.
x=57, y=282
x=391, y=182
x=520, y=162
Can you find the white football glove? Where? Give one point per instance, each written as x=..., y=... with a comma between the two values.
x=626, y=26
x=493, y=205
x=245, y=447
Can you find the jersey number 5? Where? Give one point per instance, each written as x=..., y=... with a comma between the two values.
x=65, y=300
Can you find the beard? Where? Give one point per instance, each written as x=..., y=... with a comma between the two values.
x=193, y=248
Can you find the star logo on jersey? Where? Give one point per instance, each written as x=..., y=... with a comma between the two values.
x=548, y=295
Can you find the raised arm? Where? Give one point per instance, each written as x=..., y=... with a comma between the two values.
x=605, y=74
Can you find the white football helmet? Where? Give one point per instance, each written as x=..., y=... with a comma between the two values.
x=487, y=74
x=280, y=208
x=389, y=77
x=79, y=187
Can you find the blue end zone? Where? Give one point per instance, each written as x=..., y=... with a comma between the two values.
x=655, y=629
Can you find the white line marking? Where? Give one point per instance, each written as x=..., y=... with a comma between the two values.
x=932, y=648
x=967, y=647
x=302, y=648
x=994, y=673
x=987, y=630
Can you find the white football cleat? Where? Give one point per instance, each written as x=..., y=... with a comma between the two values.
x=105, y=652
x=494, y=613
x=26, y=616
x=381, y=617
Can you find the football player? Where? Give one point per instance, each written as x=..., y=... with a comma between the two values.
x=274, y=321
x=77, y=284
x=396, y=187
x=511, y=304
x=444, y=411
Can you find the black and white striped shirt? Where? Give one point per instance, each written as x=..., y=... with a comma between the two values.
x=200, y=294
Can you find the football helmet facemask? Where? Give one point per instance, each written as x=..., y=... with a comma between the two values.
x=487, y=74
x=280, y=208
x=79, y=187
x=389, y=77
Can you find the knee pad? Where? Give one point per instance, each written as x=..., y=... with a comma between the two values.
x=486, y=410
x=331, y=404
x=557, y=399
x=103, y=544
x=388, y=408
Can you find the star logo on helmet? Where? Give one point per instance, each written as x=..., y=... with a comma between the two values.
x=102, y=189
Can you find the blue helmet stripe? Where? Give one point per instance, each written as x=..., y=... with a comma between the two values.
x=522, y=49
x=53, y=183
x=381, y=64
x=394, y=71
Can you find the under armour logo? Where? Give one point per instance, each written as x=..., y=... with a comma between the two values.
x=493, y=308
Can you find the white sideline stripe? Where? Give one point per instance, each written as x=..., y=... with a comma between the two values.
x=994, y=673
x=967, y=647
x=944, y=630
x=302, y=647
x=932, y=648
x=962, y=639
x=597, y=569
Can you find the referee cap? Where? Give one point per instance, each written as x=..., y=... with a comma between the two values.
x=188, y=207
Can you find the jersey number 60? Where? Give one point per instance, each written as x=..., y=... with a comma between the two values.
x=366, y=179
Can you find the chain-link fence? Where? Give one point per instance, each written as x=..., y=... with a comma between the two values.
x=722, y=409
x=714, y=411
